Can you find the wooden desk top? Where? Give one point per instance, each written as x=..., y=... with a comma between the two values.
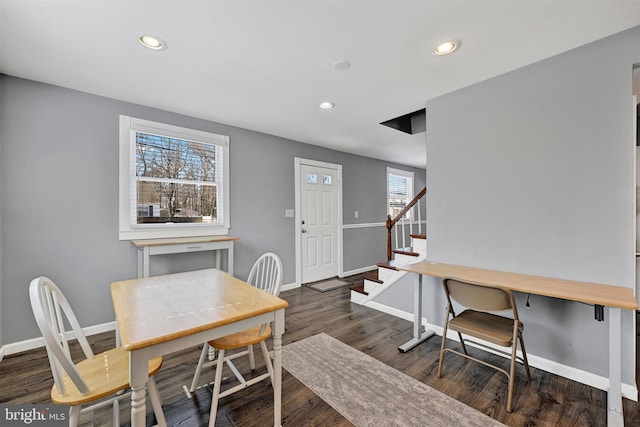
x=157, y=309
x=590, y=293
x=181, y=240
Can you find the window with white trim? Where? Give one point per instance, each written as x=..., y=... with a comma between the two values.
x=399, y=191
x=174, y=181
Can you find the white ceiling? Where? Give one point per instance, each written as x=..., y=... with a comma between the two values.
x=266, y=65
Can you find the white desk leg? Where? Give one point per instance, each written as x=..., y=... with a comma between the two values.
x=230, y=258
x=278, y=330
x=418, y=334
x=138, y=376
x=614, y=397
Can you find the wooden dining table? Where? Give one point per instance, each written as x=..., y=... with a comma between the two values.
x=162, y=314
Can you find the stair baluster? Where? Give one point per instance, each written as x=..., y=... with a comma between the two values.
x=419, y=219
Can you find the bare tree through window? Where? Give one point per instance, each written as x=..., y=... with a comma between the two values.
x=175, y=180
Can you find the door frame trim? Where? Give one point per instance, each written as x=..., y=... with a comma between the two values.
x=298, y=162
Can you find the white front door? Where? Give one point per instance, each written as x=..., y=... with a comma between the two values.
x=319, y=220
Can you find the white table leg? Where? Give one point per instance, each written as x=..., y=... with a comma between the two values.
x=143, y=262
x=230, y=258
x=146, y=261
x=419, y=335
x=140, y=262
x=278, y=330
x=614, y=397
x=138, y=376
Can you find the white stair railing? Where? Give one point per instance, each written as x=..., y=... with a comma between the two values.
x=414, y=212
x=402, y=219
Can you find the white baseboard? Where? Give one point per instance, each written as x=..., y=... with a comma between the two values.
x=34, y=343
x=629, y=391
x=290, y=286
x=392, y=311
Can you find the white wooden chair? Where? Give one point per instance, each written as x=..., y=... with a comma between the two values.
x=266, y=274
x=92, y=379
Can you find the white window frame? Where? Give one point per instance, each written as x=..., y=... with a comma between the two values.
x=405, y=174
x=127, y=197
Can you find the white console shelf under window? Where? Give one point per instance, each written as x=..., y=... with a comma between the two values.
x=148, y=247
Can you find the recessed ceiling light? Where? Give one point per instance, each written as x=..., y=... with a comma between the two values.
x=342, y=65
x=152, y=42
x=326, y=105
x=447, y=47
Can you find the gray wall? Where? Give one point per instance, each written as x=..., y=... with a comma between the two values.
x=59, y=200
x=533, y=172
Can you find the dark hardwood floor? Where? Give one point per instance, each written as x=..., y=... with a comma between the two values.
x=546, y=400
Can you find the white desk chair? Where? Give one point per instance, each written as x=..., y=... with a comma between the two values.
x=95, y=377
x=266, y=274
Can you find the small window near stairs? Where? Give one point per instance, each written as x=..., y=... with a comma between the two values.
x=399, y=191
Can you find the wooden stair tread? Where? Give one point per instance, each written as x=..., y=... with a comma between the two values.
x=419, y=236
x=391, y=265
x=359, y=288
x=372, y=276
x=406, y=251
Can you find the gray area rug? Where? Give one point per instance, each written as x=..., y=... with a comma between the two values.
x=328, y=285
x=369, y=393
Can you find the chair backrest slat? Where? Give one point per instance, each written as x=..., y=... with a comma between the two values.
x=50, y=309
x=266, y=273
x=479, y=297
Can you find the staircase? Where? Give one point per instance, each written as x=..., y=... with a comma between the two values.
x=387, y=273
